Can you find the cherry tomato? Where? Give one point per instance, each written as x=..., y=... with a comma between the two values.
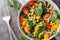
x=25, y=10
x=30, y=3
x=48, y=26
x=46, y=16
x=21, y=18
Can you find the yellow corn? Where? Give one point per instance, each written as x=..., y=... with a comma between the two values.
x=50, y=11
x=47, y=10
x=37, y=17
x=37, y=20
x=34, y=18
x=35, y=4
x=40, y=23
x=30, y=19
x=46, y=36
x=55, y=26
x=34, y=15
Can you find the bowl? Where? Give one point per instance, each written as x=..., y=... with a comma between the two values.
x=54, y=6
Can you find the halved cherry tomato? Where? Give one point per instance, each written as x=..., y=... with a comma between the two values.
x=30, y=3
x=21, y=18
x=48, y=26
x=25, y=10
x=46, y=16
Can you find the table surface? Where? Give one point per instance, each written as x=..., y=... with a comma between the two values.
x=4, y=35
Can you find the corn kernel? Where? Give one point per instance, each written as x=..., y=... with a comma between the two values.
x=40, y=23
x=35, y=4
x=37, y=20
x=34, y=15
x=46, y=36
x=55, y=26
x=50, y=11
x=34, y=18
x=30, y=19
x=47, y=10
x=37, y=17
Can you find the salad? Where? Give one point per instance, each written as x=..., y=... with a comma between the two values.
x=39, y=20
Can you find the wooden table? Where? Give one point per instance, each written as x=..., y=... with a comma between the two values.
x=4, y=35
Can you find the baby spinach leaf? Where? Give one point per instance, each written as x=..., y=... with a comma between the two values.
x=58, y=13
x=16, y=5
x=54, y=16
x=54, y=32
x=13, y=3
x=57, y=21
x=31, y=24
x=36, y=39
x=23, y=37
x=38, y=10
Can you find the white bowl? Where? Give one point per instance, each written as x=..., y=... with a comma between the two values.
x=54, y=6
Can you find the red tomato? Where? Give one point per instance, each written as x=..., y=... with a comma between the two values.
x=21, y=18
x=46, y=16
x=48, y=26
x=25, y=10
x=30, y=3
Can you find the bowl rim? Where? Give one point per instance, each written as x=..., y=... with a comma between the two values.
x=53, y=4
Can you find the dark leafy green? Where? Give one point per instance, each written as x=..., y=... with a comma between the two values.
x=23, y=38
x=54, y=16
x=48, y=5
x=31, y=24
x=53, y=32
x=36, y=39
x=44, y=8
x=57, y=21
x=42, y=28
x=58, y=13
x=38, y=10
x=13, y=3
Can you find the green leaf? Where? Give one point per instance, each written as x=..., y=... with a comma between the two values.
x=16, y=5
x=57, y=21
x=54, y=16
x=13, y=3
x=36, y=39
x=54, y=32
x=31, y=24
x=38, y=10
x=23, y=37
x=58, y=13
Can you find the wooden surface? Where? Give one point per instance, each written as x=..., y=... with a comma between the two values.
x=4, y=35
